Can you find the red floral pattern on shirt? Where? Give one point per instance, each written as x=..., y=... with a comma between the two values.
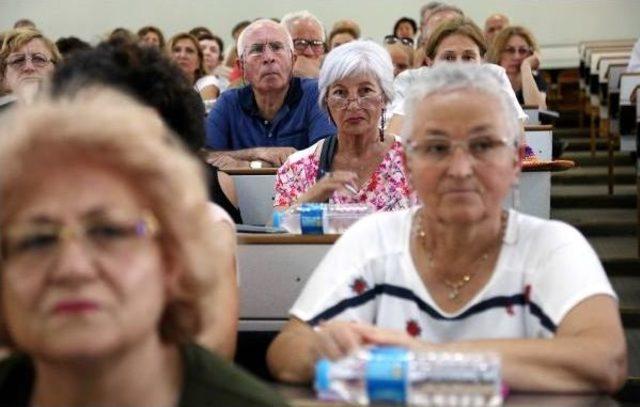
x=387, y=189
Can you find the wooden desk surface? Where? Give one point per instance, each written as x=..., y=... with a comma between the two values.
x=285, y=238
x=300, y=396
x=538, y=127
x=251, y=171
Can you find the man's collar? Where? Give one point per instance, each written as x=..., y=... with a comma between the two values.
x=248, y=101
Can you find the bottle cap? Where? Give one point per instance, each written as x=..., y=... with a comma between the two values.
x=276, y=219
x=321, y=382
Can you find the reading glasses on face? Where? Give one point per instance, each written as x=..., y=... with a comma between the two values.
x=392, y=39
x=103, y=236
x=440, y=149
x=258, y=49
x=365, y=102
x=301, y=44
x=18, y=61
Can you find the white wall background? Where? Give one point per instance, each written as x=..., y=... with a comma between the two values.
x=558, y=24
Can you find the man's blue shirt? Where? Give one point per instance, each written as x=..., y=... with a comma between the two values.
x=234, y=123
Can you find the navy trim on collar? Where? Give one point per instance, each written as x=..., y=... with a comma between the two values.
x=248, y=101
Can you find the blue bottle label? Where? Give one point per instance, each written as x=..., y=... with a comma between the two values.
x=387, y=375
x=311, y=219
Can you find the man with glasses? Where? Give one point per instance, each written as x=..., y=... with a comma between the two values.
x=401, y=55
x=276, y=114
x=308, y=37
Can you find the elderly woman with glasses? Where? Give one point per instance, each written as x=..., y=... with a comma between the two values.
x=106, y=240
x=516, y=50
x=27, y=58
x=359, y=164
x=460, y=273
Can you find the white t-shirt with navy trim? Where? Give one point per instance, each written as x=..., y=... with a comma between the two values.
x=544, y=269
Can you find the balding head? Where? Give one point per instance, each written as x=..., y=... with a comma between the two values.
x=261, y=25
x=438, y=16
x=493, y=25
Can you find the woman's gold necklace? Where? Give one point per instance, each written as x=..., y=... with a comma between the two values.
x=455, y=286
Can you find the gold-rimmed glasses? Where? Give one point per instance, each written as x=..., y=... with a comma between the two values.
x=104, y=235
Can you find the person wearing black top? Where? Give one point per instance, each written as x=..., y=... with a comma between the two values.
x=155, y=81
x=148, y=75
x=516, y=50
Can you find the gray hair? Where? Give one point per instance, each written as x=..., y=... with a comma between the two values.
x=257, y=24
x=356, y=58
x=445, y=7
x=446, y=78
x=428, y=7
x=290, y=18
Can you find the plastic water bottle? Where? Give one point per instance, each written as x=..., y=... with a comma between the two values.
x=320, y=218
x=399, y=376
x=288, y=220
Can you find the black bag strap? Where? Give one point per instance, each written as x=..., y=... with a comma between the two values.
x=326, y=156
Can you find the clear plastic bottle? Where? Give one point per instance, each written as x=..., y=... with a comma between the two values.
x=320, y=218
x=396, y=375
x=288, y=220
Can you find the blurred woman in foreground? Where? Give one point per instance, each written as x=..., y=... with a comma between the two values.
x=107, y=240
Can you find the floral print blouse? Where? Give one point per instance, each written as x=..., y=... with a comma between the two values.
x=387, y=189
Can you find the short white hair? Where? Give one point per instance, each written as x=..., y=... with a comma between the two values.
x=289, y=19
x=257, y=24
x=454, y=77
x=356, y=58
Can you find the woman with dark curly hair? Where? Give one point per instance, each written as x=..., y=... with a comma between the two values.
x=149, y=76
x=405, y=27
x=151, y=36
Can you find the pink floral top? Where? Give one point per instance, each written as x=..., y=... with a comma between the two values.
x=386, y=190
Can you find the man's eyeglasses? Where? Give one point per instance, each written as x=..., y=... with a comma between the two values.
x=18, y=61
x=519, y=51
x=438, y=150
x=300, y=45
x=368, y=102
x=276, y=47
x=392, y=39
x=109, y=236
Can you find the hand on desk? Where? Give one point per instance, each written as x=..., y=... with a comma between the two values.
x=276, y=156
x=225, y=162
x=336, y=339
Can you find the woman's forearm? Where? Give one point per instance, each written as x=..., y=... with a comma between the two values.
x=530, y=92
x=587, y=354
x=292, y=355
x=581, y=364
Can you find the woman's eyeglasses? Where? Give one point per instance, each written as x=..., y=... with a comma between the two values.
x=18, y=61
x=519, y=50
x=392, y=39
x=110, y=236
x=438, y=150
x=368, y=102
